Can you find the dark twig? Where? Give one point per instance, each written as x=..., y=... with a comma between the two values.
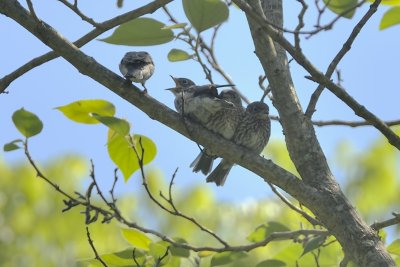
x=339, y=56
x=97, y=257
x=309, y=218
x=300, y=25
x=75, y=9
x=103, y=27
x=387, y=223
x=352, y=123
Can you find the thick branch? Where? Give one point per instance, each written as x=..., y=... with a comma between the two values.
x=332, y=208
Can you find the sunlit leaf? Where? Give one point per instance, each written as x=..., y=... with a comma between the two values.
x=178, y=55
x=313, y=243
x=394, y=248
x=81, y=111
x=204, y=14
x=140, y=32
x=27, y=123
x=271, y=263
x=175, y=26
x=388, y=2
x=264, y=230
x=203, y=254
x=227, y=257
x=390, y=18
x=120, y=126
x=341, y=6
x=10, y=146
x=137, y=239
x=121, y=258
x=123, y=155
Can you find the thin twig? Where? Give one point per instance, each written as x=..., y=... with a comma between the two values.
x=310, y=219
x=387, y=223
x=75, y=9
x=300, y=24
x=97, y=257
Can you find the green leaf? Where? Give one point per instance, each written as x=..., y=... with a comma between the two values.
x=81, y=111
x=227, y=257
x=204, y=14
x=394, y=248
x=27, y=123
x=120, y=258
x=140, y=32
x=388, y=2
x=123, y=155
x=313, y=243
x=175, y=26
x=205, y=253
x=340, y=6
x=178, y=55
x=390, y=18
x=137, y=239
x=179, y=252
x=271, y=263
x=264, y=230
x=119, y=126
x=10, y=146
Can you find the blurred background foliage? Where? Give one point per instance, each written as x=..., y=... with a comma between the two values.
x=35, y=232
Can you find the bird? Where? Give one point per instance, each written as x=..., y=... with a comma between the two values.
x=198, y=102
x=252, y=132
x=223, y=122
x=137, y=67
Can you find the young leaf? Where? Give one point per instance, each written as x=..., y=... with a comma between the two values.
x=340, y=6
x=81, y=111
x=27, y=123
x=271, y=263
x=124, y=156
x=137, y=239
x=178, y=55
x=394, y=248
x=120, y=126
x=264, y=230
x=12, y=145
x=204, y=14
x=227, y=257
x=313, y=244
x=140, y=32
x=390, y=18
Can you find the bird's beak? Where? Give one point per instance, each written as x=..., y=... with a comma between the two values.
x=224, y=85
x=175, y=80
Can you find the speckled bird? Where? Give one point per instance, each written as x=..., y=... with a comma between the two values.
x=252, y=132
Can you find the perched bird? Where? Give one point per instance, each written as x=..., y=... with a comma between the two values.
x=252, y=132
x=223, y=122
x=137, y=67
x=197, y=102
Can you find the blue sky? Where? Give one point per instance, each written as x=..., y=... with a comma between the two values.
x=370, y=72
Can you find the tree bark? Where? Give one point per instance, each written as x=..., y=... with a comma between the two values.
x=332, y=208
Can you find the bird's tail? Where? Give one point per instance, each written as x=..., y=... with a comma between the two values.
x=203, y=162
x=220, y=173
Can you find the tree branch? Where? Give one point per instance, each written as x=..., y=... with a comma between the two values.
x=339, y=56
x=102, y=27
x=318, y=76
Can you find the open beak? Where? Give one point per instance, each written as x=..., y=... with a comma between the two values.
x=175, y=80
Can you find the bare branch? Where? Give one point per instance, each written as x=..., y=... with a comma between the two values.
x=75, y=9
x=32, y=10
x=387, y=223
x=312, y=220
x=339, y=56
x=97, y=257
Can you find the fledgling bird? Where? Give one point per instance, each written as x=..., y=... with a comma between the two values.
x=252, y=132
x=137, y=67
x=196, y=102
x=223, y=122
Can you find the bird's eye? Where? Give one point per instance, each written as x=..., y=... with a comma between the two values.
x=184, y=81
